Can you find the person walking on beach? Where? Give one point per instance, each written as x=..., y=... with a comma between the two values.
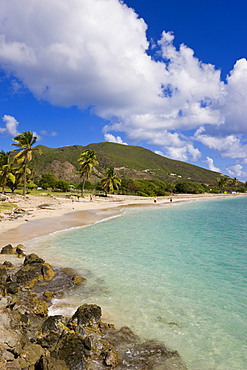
x=155, y=200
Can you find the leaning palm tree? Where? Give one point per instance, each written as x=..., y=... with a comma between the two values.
x=5, y=169
x=25, y=152
x=111, y=181
x=87, y=161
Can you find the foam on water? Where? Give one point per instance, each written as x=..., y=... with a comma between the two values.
x=176, y=274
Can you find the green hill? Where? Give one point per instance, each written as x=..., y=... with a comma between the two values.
x=129, y=161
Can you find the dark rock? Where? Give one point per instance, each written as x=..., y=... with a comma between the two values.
x=50, y=363
x=19, y=251
x=34, y=272
x=8, y=249
x=76, y=280
x=32, y=258
x=86, y=315
x=8, y=264
x=12, y=287
x=71, y=349
x=52, y=329
x=55, y=324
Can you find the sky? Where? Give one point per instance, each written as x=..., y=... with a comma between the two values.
x=170, y=76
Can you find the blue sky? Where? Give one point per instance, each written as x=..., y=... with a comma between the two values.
x=170, y=76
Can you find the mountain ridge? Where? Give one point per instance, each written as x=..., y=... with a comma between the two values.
x=132, y=162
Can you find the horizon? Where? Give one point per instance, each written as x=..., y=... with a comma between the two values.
x=170, y=77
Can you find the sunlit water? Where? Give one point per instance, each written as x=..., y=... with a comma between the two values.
x=175, y=273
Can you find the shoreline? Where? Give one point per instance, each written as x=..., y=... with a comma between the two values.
x=42, y=215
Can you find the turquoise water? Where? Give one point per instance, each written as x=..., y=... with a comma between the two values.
x=176, y=273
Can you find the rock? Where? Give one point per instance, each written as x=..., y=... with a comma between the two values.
x=86, y=315
x=8, y=249
x=19, y=250
x=12, y=288
x=30, y=355
x=8, y=264
x=56, y=323
x=3, y=270
x=112, y=358
x=77, y=280
x=46, y=362
x=48, y=295
x=4, y=198
x=40, y=307
x=71, y=349
x=34, y=269
x=32, y=258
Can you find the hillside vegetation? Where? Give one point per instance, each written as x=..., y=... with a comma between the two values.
x=130, y=162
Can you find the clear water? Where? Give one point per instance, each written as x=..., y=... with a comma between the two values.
x=175, y=273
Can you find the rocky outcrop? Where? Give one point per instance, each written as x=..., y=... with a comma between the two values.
x=31, y=340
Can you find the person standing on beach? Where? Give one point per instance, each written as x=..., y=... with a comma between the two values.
x=155, y=200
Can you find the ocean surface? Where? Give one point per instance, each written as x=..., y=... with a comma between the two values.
x=176, y=273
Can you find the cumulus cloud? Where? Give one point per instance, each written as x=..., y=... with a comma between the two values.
x=11, y=125
x=211, y=166
x=236, y=171
x=94, y=54
x=229, y=146
x=114, y=139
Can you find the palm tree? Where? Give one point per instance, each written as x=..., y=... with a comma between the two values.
x=111, y=181
x=222, y=183
x=25, y=152
x=87, y=161
x=5, y=169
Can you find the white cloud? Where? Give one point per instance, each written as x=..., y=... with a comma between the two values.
x=159, y=153
x=48, y=133
x=229, y=146
x=11, y=125
x=211, y=166
x=114, y=139
x=93, y=54
x=236, y=171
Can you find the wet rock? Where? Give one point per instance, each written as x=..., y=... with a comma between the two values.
x=76, y=280
x=8, y=249
x=8, y=264
x=34, y=269
x=33, y=258
x=19, y=250
x=86, y=315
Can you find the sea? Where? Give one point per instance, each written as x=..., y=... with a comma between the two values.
x=175, y=273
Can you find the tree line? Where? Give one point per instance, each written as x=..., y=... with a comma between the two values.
x=17, y=168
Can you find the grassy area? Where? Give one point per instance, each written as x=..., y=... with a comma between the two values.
x=6, y=206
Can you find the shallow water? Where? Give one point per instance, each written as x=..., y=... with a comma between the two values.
x=176, y=273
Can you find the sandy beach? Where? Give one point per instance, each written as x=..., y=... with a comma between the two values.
x=41, y=215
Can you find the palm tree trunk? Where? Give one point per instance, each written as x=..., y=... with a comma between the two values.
x=82, y=188
x=24, y=179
